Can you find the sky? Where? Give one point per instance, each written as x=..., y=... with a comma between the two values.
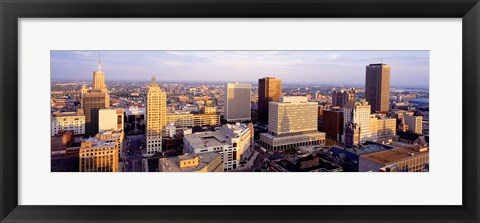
x=408, y=68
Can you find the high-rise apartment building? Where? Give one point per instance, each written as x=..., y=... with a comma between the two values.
x=269, y=90
x=342, y=97
x=292, y=122
x=93, y=100
x=377, y=87
x=356, y=119
x=237, y=102
x=156, y=117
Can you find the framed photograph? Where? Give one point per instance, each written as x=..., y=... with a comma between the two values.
x=228, y=111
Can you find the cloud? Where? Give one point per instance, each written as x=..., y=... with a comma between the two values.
x=83, y=53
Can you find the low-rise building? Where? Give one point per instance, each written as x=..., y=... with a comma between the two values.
x=231, y=141
x=205, y=162
x=98, y=155
x=60, y=142
x=413, y=159
x=66, y=121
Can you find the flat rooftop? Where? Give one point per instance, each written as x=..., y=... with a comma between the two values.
x=393, y=155
x=207, y=139
x=172, y=164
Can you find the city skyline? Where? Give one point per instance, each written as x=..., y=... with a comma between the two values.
x=295, y=67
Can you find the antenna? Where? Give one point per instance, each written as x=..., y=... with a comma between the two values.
x=381, y=61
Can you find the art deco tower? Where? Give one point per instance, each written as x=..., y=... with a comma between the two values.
x=99, y=78
x=377, y=87
x=269, y=90
x=93, y=100
x=156, y=117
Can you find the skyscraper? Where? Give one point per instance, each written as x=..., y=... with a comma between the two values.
x=356, y=118
x=156, y=117
x=269, y=90
x=237, y=102
x=93, y=100
x=99, y=78
x=377, y=86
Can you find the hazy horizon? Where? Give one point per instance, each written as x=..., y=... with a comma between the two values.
x=408, y=68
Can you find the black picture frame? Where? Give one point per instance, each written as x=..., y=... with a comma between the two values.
x=11, y=11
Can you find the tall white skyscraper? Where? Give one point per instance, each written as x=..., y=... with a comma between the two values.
x=237, y=102
x=356, y=118
x=156, y=116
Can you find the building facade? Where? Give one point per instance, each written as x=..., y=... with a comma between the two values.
x=292, y=122
x=333, y=123
x=98, y=156
x=156, y=117
x=383, y=129
x=414, y=123
x=269, y=90
x=237, y=102
x=110, y=120
x=377, y=87
x=66, y=121
x=356, y=118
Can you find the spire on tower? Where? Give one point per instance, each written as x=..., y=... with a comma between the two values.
x=99, y=63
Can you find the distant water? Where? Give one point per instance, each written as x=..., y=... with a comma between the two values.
x=420, y=100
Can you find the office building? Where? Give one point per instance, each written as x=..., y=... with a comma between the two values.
x=110, y=120
x=356, y=119
x=93, y=100
x=113, y=136
x=180, y=118
x=382, y=129
x=206, y=119
x=230, y=141
x=377, y=87
x=396, y=160
x=342, y=97
x=98, y=156
x=292, y=122
x=155, y=116
x=414, y=123
x=269, y=90
x=333, y=124
x=237, y=102
x=66, y=121
x=186, y=119
x=205, y=162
